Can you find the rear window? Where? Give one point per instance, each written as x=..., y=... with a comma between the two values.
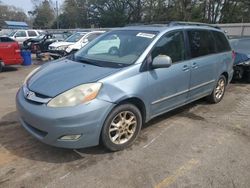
x=201, y=43
x=32, y=33
x=6, y=39
x=221, y=41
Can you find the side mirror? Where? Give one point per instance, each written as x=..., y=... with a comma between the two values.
x=161, y=61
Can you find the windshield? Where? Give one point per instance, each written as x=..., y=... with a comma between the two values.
x=12, y=34
x=75, y=37
x=119, y=48
x=58, y=36
x=241, y=45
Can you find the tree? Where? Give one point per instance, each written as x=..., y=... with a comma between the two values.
x=116, y=13
x=11, y=13
x=44, y=15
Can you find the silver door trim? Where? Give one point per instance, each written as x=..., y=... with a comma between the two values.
x=171, y=96
x=182, y=92
x=200, y=85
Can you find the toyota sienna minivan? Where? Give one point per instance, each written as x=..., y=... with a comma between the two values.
x=106, y=91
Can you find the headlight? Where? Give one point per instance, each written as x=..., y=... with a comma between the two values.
x=78, y=95
x=30, y=74
x=68, y=49
x=62, y=47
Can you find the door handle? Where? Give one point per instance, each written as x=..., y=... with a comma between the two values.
x=194, y=66
x=185, y=68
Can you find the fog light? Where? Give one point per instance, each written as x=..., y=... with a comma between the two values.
x=70, y=137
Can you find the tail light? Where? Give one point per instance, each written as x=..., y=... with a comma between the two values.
x=17, y=48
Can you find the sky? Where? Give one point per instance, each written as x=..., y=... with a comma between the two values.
x=26, y=5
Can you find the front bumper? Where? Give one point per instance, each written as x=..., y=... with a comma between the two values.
x=49, y=124
x=57, y=53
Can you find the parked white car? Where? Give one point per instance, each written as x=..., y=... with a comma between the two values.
x=75, y=41
x=22, y=35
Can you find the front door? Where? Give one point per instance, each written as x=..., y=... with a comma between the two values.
x=168, y=87
x=21, y=36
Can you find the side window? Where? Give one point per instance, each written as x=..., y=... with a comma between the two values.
x=20, y=34
x=171, y=44
x=32, y=34
x=221, y=42
x=6, y=39
x=201, y=43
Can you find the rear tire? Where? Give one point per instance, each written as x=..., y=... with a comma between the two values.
x=219, y=91
x=121, y=128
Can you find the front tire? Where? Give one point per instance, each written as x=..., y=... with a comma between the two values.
x=219, y=91
x=121, y=127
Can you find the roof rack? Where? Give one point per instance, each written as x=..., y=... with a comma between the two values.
x=175, y=23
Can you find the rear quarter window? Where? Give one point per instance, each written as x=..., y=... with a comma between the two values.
x=221, y=42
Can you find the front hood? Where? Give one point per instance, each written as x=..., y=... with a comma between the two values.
x=57, y=44
x=241, y=58
x=56, y=77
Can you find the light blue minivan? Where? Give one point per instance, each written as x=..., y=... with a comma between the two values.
x=106, y=91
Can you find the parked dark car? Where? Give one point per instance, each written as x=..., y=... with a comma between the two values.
x=40, y=44
x=241, y=47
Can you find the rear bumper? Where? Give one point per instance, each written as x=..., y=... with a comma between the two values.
x=13, y=62
x=49, y=124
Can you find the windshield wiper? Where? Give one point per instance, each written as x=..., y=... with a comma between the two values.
x=85, y=61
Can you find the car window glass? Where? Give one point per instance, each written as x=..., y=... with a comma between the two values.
x=75, y=37
x=92, y=37
x=171, y=45
x=6, y=39
x=116, y=48
x=58, y=36
x=32, y=33
x=201, y=43
x=221, y=42
x=20, y=34
x=241, y=45
x=105, y=45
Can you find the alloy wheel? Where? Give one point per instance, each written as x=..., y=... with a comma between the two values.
x=122, y=127
x=220, y=89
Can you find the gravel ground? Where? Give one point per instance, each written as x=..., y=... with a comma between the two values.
x=198, y=145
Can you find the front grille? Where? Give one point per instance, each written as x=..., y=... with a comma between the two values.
x=35, y=97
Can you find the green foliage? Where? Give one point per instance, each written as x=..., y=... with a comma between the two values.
x=8, y=13
x=116, y=13
x=44, y=15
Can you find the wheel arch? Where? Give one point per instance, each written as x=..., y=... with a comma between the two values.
x=138, y=103
x=226, y=76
